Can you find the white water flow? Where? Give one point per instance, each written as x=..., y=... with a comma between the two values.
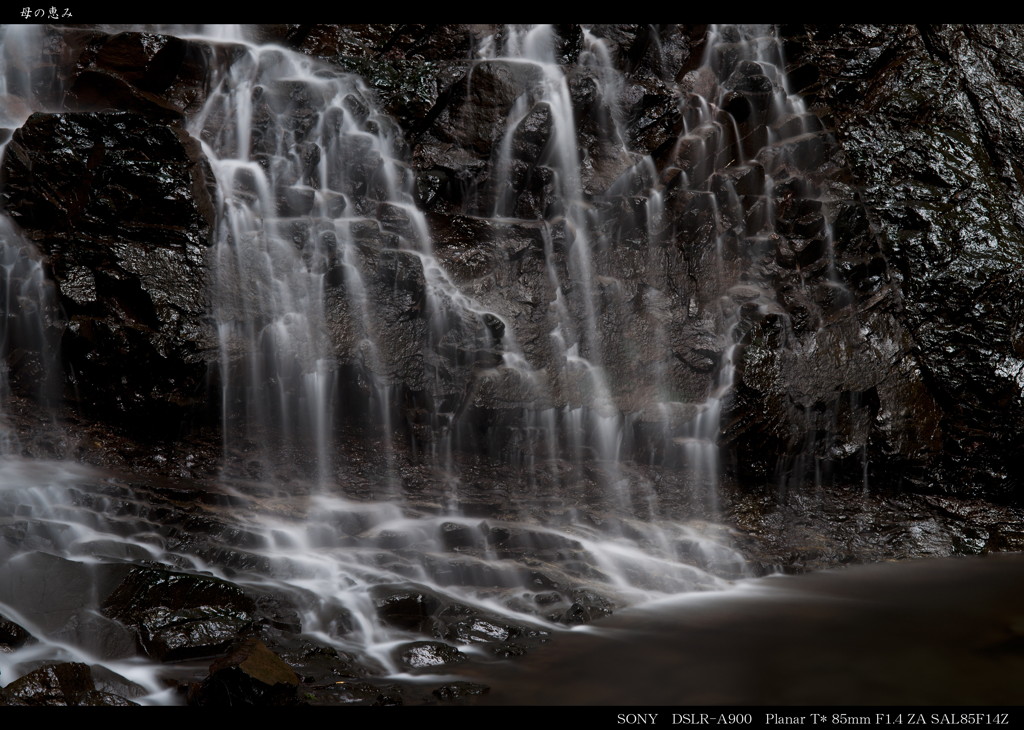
x=734, y=142
x=28, y=338
x=788, y=139
x=43, y=527
x=591, y=423
x=316, y=211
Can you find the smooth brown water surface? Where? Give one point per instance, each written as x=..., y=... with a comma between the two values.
x=934, y=632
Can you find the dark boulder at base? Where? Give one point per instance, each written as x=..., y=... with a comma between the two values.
x=586, y=606
x=428, y=656
x=408, y=608
x=12, y=636
x=460, y=692
x=178, y=616
x=419, y=609
x=250, y=674
x=59, y=685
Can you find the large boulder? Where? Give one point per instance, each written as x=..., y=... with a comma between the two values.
x=178, y=616
x=158, y=75
x=250, y=674
x=121, y=206
x=70, y=684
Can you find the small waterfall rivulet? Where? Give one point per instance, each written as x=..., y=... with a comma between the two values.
x=28, y=339
x=336, y=318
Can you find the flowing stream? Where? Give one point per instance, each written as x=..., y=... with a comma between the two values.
x=315, y=200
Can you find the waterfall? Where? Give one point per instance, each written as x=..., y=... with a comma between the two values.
x=311, y=184
x=597, y=393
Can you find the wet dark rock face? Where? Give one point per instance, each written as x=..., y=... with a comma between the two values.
x=915, y=370
x=428, y=656
x=421, y=610
x=250, y=674
x=121, y=206
x=160, y=76
x=12, y=635
x=927, y=118
x=829, y=375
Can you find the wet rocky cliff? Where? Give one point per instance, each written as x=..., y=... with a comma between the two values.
x=879, y=324
x=928, y=117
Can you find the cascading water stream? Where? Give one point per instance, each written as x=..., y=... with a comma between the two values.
x=27, y=320
x=751, y=130
x=591, y=424
x=785, y=141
